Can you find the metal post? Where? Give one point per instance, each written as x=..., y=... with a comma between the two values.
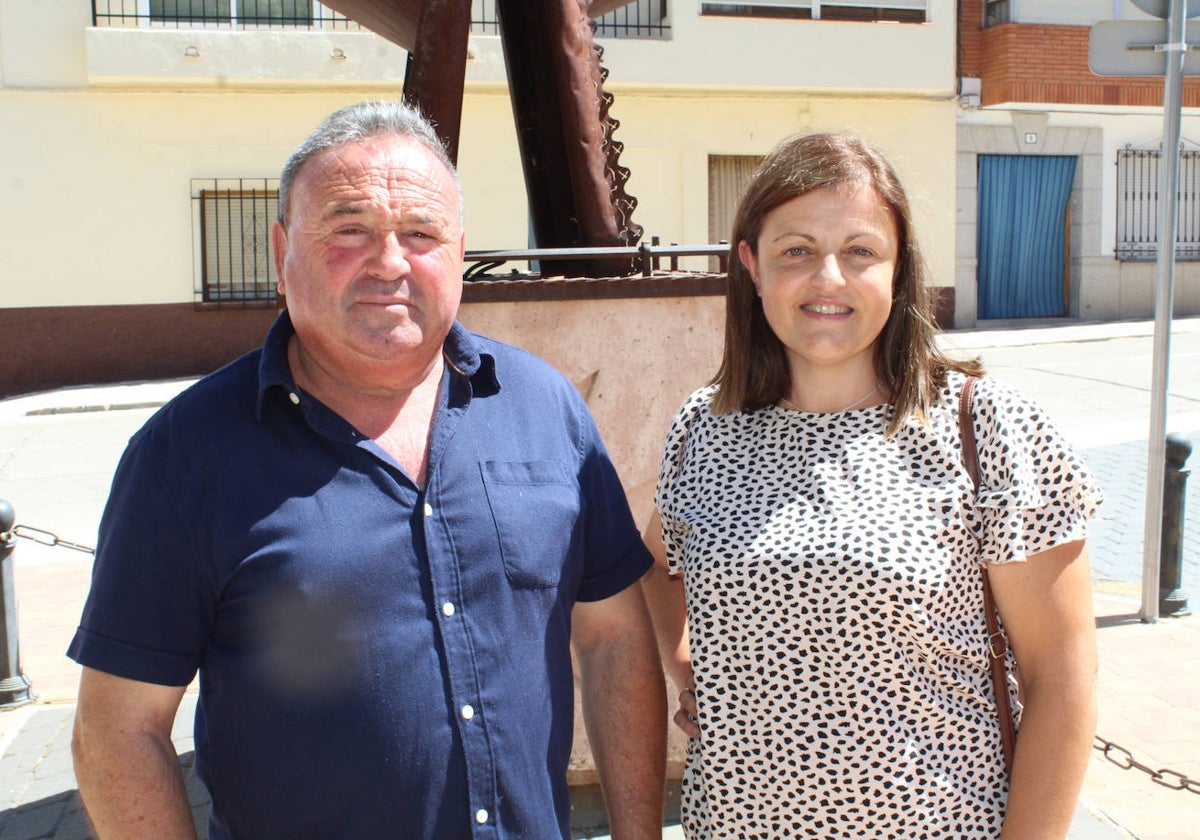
x=1164, y=291
x=14, y=688
x=1172, y=600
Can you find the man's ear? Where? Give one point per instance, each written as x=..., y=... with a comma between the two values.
x=279, y=246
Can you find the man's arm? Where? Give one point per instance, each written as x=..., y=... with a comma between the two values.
x=668, y=610
x=664, y=597
x=125, y=763
x=624, y=709
x=1046, y=605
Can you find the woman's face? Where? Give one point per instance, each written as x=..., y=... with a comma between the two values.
x=824, y=268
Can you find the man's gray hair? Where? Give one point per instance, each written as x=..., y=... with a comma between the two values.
x=363, y=121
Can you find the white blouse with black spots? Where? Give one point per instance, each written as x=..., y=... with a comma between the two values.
x=835, y=609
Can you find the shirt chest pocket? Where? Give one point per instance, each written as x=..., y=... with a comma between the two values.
x=535, y=506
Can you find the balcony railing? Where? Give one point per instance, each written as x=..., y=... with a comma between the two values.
x=218, y=14
x=640, y=19
x=647, y=258
x=903, y=11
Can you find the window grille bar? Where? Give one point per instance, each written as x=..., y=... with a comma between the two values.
x=1137, y=232
x=233, y=219
x=641, y=19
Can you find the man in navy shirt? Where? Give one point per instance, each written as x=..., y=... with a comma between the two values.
x=377, y=539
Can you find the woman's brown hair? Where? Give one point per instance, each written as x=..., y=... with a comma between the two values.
x=754, y=370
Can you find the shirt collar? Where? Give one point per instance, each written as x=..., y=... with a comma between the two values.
x=461, y=350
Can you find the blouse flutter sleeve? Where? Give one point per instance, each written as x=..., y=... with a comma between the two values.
x=1035, y=492
x=671, y=493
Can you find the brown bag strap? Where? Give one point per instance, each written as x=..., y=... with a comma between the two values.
x=997, y=641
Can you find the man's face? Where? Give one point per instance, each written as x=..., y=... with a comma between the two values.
x=370, y=257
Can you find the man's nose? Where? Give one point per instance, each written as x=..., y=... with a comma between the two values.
x=391, y=257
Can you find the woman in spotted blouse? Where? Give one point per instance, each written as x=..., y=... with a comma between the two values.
x=817, y=595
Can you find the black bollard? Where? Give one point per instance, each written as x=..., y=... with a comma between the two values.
x=14, y=688
x=1171, y=598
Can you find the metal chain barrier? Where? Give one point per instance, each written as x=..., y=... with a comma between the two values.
x=1124, y=759
x=1112, y=752
x=47, y=538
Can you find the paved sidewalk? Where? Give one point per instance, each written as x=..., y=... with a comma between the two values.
x=56, y=461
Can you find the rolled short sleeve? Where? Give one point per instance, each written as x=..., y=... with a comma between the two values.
x=616, y=555
x=150, y=609
x=1035, y=491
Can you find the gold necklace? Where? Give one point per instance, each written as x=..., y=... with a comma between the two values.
x=786, y=403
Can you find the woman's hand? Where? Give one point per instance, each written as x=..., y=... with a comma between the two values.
x=687, y=717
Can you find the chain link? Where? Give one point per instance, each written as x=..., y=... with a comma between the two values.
x=43, y=537
x=1123, y=758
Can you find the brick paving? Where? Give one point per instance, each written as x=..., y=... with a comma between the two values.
x=1116, y=537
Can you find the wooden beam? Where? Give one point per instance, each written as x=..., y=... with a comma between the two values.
x=395, y=20
x=437, y=67
x=554, y=82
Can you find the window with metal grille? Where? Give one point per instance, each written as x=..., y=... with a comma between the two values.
x=233, y=220
x=903, y=11
x=996, y=12
x=1137, y=205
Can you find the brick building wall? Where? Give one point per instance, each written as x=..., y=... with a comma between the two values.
x=1044, y=63
x=970, y=38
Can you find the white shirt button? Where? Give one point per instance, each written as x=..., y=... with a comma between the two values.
x=447, y=609
x=468, y=712
x=481, y=816
x=294, y=397
x=428, y=509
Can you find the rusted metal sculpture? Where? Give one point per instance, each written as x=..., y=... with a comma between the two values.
x=573, y=176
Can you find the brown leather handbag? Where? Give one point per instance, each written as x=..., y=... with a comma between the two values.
x=997, y=641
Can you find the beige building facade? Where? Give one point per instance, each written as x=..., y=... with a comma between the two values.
x=109, y=125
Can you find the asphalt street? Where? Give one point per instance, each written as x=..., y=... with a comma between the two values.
x=1094, y=381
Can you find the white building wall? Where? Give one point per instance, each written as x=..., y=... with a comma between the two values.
x=40, y=42
x=105, y=128
x=815, y=56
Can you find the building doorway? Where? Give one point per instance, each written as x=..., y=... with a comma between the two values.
x=1023, y=235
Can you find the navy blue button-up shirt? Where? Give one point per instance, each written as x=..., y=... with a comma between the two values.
x=376, y=659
